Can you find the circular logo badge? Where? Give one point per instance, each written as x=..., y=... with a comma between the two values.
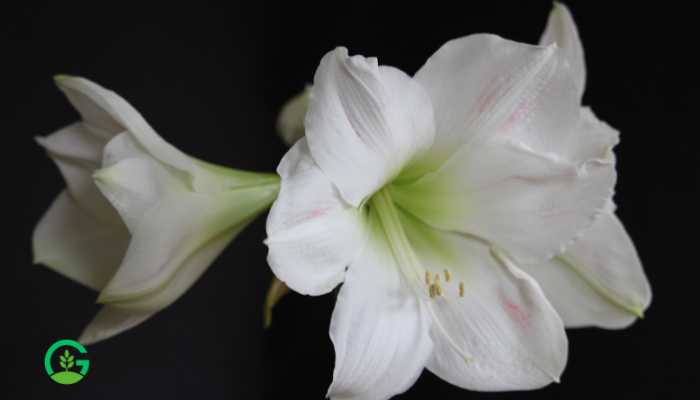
x=63, y=353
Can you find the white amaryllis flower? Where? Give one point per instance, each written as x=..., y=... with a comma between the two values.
x=435, y=199
x=152, y=219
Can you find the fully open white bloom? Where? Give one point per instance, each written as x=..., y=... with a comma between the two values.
x=436, y=199
x=152, y=219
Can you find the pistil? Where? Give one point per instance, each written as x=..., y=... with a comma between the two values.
x=385, y=209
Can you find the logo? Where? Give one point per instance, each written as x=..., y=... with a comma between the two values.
x=67, y=361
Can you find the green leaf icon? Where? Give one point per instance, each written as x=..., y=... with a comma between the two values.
x=66, y=360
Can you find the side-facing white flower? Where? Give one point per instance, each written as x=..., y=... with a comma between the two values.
x=152, y=219
x=433, y=198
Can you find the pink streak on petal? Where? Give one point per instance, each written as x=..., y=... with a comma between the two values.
x=514, y=311
x=312, y=214
x=487, y=97
x=516, y=117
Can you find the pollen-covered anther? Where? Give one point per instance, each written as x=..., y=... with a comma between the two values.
x=447, y=276
x=461, y=289
x=435, y=290
x=427, y=277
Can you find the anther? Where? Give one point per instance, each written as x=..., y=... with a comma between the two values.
x=447, y=276
x=435, y=290
x=427, y=277
x=461, y=289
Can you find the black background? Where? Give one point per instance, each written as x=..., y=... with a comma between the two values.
x=211, y=81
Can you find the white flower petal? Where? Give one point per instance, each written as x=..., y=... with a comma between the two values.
x=501, y=333
x=561, y=30
x=160, y=244
x=167, y=222
x=106, y=114
x=77, y=142
x=313, y=235
x=379, y=330
x=136, y=186
x=599, y=281
x=592, y=139
x=577, y=302
x=77, y=245
x=606, y=258
x=93, y=104
x=77, y=152
x=531, y=204
x=365, y=122
x=290, y=123
x=104, y=110
x=81, y=235
x=121, y=147
x=111, y=321
x=483, y=86
x=183, y=278
x=117, y=317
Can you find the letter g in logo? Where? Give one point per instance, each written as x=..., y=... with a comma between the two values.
x=67, y=362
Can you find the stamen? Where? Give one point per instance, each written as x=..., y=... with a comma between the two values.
x=407, y=260
x=447, y=276
x=435, y=290
x=461, y=289
x=427, y=277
